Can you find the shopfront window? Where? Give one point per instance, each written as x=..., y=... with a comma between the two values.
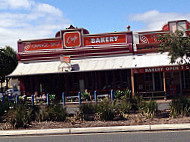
x=110, y=80
x=76, y=82
x=158, y=77
x=125, y=76
x=70, y=85
x=103, y=80
x=89, y=78
x=186, y=79
x=148, y=82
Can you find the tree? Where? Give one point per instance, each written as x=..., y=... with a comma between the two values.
x=177, y=45
x=8, y=62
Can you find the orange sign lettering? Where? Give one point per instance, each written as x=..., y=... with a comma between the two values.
x=104, y=39
x=42, y=44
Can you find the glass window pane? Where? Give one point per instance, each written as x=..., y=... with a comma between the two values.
x=181, y=26
x=172, y=26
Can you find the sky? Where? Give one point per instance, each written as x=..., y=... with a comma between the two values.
x=36, y=19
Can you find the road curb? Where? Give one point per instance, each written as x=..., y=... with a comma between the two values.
x=170, y=127
x=111, y=129
x=34, y=132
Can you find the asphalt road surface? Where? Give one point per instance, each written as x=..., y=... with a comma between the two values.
x=174, y=136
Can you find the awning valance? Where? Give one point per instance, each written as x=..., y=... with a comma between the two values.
x=93, y=64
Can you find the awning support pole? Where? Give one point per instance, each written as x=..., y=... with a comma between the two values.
x=132, y=83
x=164, y=83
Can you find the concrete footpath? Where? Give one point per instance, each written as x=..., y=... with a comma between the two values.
x=136, y=128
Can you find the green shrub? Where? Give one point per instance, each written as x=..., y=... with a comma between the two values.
x=123, y=106
x=54, y=112
x=42, y=115
x=85, y=95
x=180, y=106
x=19, y=116
x=106, y=110
x=52, y=97
x=34, y=111
x=125, y=94
x=149, y=109
x=118, y=94
x=2, y=110
x=136, y=102
x=109, y=110
x=87, y=111
x=4, y=107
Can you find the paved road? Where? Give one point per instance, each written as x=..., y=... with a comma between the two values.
x=174, y=136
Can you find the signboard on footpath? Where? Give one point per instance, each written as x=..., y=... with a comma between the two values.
x=104, y=39
x=42, y=44
x=161, y=69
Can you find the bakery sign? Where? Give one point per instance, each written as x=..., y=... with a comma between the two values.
x=104, y=39
x=42, y=44
x=161, y=69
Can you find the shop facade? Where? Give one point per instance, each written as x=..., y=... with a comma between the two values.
x=157, y=74
x=75, y=60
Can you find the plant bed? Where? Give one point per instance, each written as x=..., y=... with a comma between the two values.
x=162, y=117
x=125, y=112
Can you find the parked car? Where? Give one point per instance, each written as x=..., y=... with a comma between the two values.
x=13, y=92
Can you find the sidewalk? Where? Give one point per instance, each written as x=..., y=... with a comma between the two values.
x=135, y=128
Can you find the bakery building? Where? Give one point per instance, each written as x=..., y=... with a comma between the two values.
x=153, y=71
x=75, y=60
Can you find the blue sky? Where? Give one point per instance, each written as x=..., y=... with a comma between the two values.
x=33, y=19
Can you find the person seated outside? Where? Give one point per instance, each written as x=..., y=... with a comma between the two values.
x=44, y=97
x=35, y=96
x=24, y=97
